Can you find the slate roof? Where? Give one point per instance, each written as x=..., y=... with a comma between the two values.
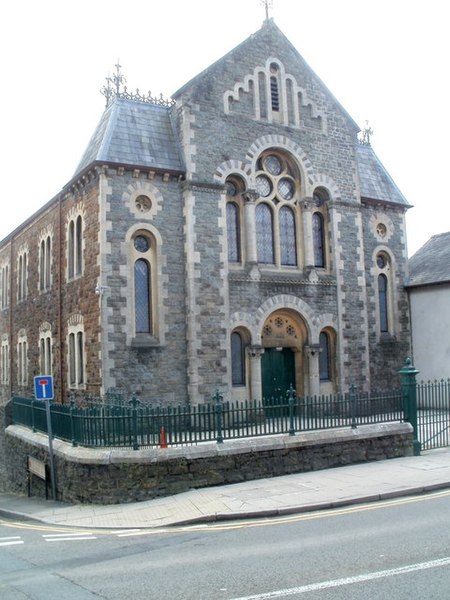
x=136, y=134
x=431, y=263
x=375, y=181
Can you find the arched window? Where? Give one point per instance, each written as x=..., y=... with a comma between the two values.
x=76, y=353
x=142, y=296
x=324, y=357
x=144, y=285
x=45, y=259
x=318, y=240
x=264, y=234
x=233, y=232
x=384, y=279
x=234, y=188
x=288, y=250
x=277, y=182
x=75, y=247
x=22, y=274
x=383, y=302
x=237, y=359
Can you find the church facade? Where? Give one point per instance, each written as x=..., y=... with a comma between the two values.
x=240, y=237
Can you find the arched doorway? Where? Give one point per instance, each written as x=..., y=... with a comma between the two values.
x=282, y=364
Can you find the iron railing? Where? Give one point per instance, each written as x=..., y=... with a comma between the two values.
x=109, y=423
x=433, y=402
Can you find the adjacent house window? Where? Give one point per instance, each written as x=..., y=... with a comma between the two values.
x=76, y=354
x=45, y=349
x=22, y=359
x=4, y=360
x=45, y=260
x=75, y=247
x=4, y=285
x=22, y=275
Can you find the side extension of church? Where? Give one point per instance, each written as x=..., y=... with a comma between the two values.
x=240, y=237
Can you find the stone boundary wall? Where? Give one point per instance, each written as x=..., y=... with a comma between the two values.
x=109, y=476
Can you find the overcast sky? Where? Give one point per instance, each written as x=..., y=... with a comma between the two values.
x=386, y=61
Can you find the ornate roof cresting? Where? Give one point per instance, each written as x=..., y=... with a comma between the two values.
x=114, y=87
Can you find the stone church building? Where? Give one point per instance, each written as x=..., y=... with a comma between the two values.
x=241, y=237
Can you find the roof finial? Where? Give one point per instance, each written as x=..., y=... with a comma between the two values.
x=267, y=4
x=366, y=134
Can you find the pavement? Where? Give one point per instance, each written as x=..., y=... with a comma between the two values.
x=289, y=494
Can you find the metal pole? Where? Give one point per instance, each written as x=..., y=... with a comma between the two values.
x=50, y=447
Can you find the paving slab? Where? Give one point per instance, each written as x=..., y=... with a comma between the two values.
x=287, y=494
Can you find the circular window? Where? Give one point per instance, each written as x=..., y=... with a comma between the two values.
x=143, y=203
x=272, y=164
x=381, y=230
x=286, y=188
x=141, y=243
x=263, y=186
x=381, y=261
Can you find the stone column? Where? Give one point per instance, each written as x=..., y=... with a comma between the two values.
x=308, y=242
x=254, y=353
x=250, y=197
x=312, y=354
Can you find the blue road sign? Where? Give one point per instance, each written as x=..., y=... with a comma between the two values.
x=43, y=387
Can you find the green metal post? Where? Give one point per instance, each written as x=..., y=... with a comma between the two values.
x=218, y=410
x=409, y=390
x=134, y=403
x=291, y=403
x=352, y=397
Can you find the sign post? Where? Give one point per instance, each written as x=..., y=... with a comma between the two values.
x=43, y=390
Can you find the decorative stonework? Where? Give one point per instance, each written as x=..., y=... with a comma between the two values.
x=255, y=92
x=382, y=227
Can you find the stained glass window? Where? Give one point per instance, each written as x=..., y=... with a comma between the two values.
x=318, y=240
x=324, y=357
x=142, y=297
x=288, y=253
x=237, y=359
x=233, y=232
x=383, y=302
x=264, y=234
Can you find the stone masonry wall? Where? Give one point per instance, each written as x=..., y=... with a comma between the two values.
x=111, y=476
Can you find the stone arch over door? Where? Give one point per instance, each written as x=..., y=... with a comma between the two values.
x=284, y=335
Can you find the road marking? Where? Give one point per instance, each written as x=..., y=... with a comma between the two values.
x=323, y=585
x=12, y=540
x=65, y=537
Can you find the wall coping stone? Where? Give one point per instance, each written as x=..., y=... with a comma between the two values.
x=105, y=456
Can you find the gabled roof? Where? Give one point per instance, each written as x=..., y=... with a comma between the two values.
x=136, y=134
x=431, y=263
x=375, y=181
x=269, y=36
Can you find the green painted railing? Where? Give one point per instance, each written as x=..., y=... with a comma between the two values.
x=118, y=423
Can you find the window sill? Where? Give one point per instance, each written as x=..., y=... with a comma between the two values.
x=143, y=341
